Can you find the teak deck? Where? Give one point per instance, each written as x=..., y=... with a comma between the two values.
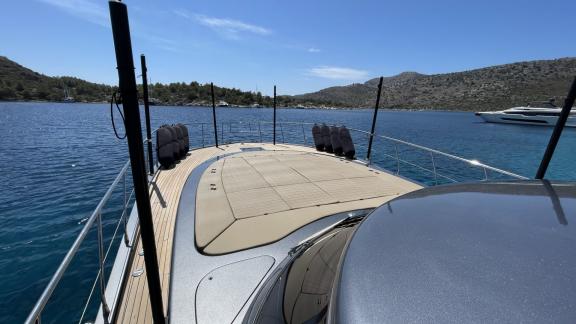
x=293, y=185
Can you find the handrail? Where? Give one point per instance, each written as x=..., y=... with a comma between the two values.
x=121, y=220
x=424, y=148
x=420, y=147
x=231, y=136
x=34, y=315
x=472, y=162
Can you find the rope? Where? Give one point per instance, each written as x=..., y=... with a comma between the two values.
x=113, y=101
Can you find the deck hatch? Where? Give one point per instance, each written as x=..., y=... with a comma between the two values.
x=250, y=149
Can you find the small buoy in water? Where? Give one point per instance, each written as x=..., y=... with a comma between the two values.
x=73, y=165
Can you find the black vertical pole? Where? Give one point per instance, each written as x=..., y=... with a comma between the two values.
x=214, y=113
x=568, y=103
x=374, y=119
x=274, y=123
x=147, y=113
x=128, y=90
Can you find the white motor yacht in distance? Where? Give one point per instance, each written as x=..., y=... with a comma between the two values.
x=537, y=113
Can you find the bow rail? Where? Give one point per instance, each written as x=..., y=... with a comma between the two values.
x=415, y=162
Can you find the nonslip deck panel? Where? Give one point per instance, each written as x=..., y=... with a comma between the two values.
x=303, y=201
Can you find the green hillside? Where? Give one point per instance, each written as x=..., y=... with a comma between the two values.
x=491, y=88
x=20, y=83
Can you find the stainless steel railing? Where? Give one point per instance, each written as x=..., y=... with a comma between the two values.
x=433, y=155
x=388, y=153
x=35, y=315
x=417, y=162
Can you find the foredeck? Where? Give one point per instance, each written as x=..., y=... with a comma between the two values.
x=164, y=196
x=251, y=198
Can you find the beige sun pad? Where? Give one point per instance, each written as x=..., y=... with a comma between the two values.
x=235, y=173
x=274, y=173
x=360, y=188
x=255, y=202
x=304, y=195
x=272, y=193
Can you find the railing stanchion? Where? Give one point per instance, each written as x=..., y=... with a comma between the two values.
x=202, y=125
x=397, y=159
x=105, y=308
x=147, y=113
x=125, y=197
x=129, y=92
x=274, y=119
x=434, y=168
x=557, y=132
x=485, y=173
x=368, y=136
x=222, y=133
x=214, y=114
x=126, y=239
x=304, y=134
x=374, y=119
x=260, y=131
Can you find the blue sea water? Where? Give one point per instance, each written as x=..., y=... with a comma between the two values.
x=57, y=160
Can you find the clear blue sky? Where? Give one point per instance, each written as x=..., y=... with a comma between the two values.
x=300, y=45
